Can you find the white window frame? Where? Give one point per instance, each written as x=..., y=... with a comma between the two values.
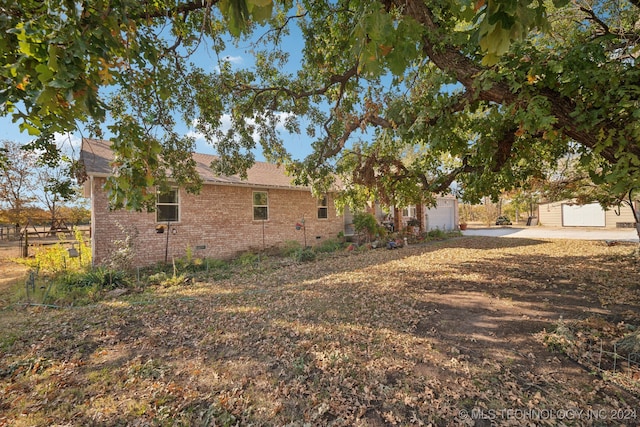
x=409, y=212
x=176, y=204
x=254, y=205
x=323, y=206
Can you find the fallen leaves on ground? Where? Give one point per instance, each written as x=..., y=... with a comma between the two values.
x=440, y=334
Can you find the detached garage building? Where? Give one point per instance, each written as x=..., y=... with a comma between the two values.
x=570, y=214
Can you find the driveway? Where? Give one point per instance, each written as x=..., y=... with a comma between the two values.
x=577, y=233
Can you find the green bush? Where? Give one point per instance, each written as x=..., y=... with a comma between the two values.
x=436, y=234
x=365, y=222
x=363, y=248
x=76, y=287
x=305, y=255
x=290, y=247
x=101, y=277
x=164, y=279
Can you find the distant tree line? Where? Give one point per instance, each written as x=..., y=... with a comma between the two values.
x=36, y=193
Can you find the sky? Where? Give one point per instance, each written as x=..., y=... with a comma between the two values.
x=298, y=145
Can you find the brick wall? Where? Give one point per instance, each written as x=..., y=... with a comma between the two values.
x=220, y=219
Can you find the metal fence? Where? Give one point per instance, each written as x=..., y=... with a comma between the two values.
x=611, y=363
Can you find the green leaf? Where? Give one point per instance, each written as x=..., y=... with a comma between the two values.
x=54, y=51
x=32, y=130
x=25, y=48
x=261, y=13
x=44, y=73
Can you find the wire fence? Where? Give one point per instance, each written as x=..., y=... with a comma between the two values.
x=615, y=364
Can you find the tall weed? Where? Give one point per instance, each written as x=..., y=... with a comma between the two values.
x=58, y=258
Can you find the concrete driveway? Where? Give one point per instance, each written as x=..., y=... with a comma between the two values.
x=538, y=232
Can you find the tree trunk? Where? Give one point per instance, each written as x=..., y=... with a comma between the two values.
x=396, y=218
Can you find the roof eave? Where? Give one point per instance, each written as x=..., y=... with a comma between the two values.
x=227, y=184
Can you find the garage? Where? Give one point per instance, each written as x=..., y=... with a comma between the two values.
x=591, y=215
x=443, y=216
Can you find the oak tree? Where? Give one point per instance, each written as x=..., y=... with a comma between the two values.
x=496, y=88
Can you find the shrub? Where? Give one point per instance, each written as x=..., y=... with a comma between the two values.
x=363, y=248
x=78, y=287
x=364, y=222
x=101, y=277
x=121, y=257
x=188, y=263
x=216, y=264
x=290, y=247
x=168, y=280
x=305, y=255
x=436, y=234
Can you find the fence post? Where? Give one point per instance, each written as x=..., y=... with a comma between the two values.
x=25, y=249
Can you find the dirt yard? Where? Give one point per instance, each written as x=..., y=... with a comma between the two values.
x=10, y=272
x=446, y=334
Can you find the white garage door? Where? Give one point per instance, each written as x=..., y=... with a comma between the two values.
x=442, y=216
x=591, y=215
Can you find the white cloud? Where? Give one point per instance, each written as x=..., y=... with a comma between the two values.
x=68, y=143
x=233, y=60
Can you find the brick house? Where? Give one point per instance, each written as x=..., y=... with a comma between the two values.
x=229, y=215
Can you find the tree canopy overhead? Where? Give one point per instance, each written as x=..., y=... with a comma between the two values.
x=487, y=94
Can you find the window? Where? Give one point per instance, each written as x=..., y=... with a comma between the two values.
x=409, y=211
x=167, y=207
x=260, y=206
x=323, y=208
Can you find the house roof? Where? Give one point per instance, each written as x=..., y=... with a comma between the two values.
x=96, y=155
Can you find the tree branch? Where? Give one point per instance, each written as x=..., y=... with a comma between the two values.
x=591, y=15
x=450, y=59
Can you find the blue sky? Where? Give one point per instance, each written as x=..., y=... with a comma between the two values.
x=298, y=145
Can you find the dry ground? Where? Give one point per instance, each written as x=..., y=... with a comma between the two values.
x=443, y=334
x=10, y=272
